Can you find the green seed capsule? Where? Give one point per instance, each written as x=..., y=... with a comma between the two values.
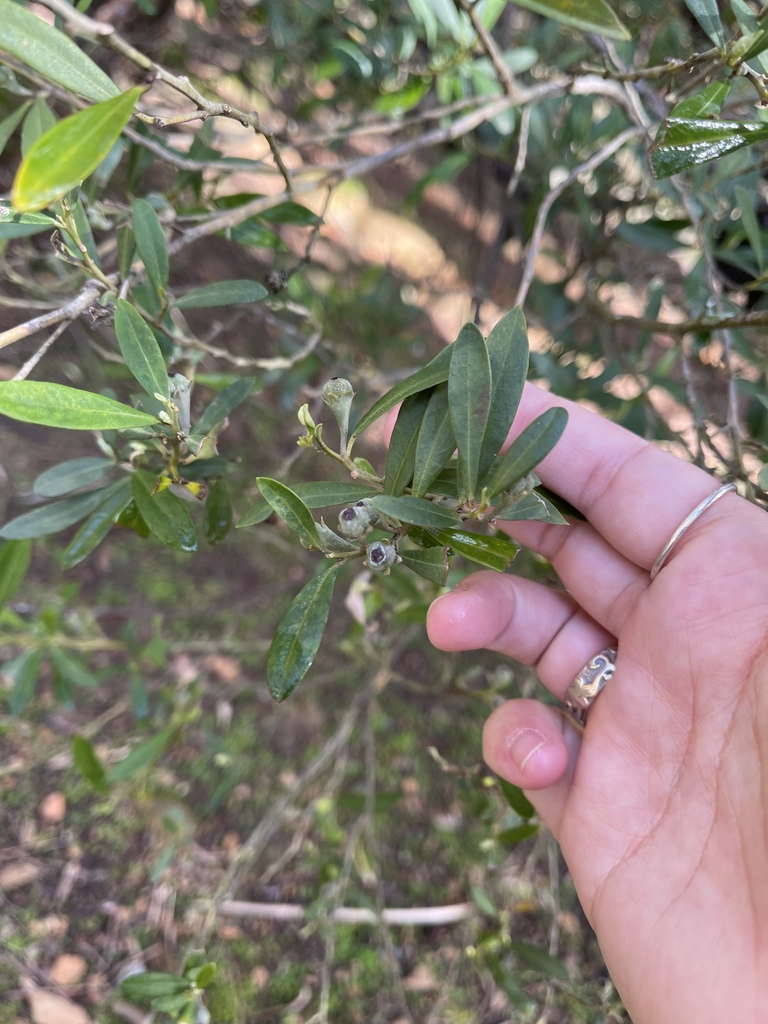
x=381, y=556
x=357, y=520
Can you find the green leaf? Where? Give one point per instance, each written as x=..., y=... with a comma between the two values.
x=40, y=119
x=223, y=404
x=23, y=671
x=142, y=756
x=88, y=764
x=53, y=518
x=435, y=443
x=539, y=960
x=44, y=48
x=56, y=405
x=517, y=799
x=71, y=668
x=435, y=372
x=218, y=513
x=708, y=16
x=508, y=352
x=409, y=509
x=527, y=451
x=150, y=242
x=517, y=834
x=166, y=515
x=222, y=293
x=319, y=494
x=588, y=15
x=70, y=476
x=11, y=122
x=152, y=985
x=532, y=507
x=290, y=213
x=67, y=153
x=401, y=453
x=140, y=349
x=291, y=509
x=14, y=562
x=707, y=103
x=469, y=399
x=431, y=563
x=684, y=143
x=747, y=202
x=203, y=976
x=19, y=225
x=97, y=526
x=298, y=636
x=492, y=552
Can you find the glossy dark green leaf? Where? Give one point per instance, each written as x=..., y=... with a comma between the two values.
x=298, y=636
x=684, y=143
x=707, y=103
x=88, y=764
x=62, y=158
x=56, y=405
x=151, y=244
x=469, y=399
x=588, y=15
x=319, y=494
x=223, y=404
x=492, y=552
x=517, y=834
x=126, y=249
x=166, y=515
x=708, y=16
x=409, y=509
x=508, y=352
x=23, y=671
x=517, y=799
x=140, y=349
x=431, y=563
x=218, y=513
x=142, y=756
x=532, y=507
x=222, y=293
x=289, y=213
x=130, y=519
x=70, y=476
x=401, y=453
x=539, y=959
x=50, y=52
x=435, y=443
x=435, y=372
x=14, y=562
x=291, y=509
x=56, y=516
x=97, y=525
x=19, y=225
x=71, y=668
x=527, y=450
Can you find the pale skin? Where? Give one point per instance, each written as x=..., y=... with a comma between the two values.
x=661, y=805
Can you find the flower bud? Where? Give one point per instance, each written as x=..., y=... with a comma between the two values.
x=337, y=395
x=305, y=418
x=381, y=556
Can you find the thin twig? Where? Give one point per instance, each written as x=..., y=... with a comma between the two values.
x=70, y=311
x=672, y=67
x=488, y=43
x=407, y=917
x=33, y=360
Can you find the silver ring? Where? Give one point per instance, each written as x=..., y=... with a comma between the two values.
x=589, y=682
x=688, y=521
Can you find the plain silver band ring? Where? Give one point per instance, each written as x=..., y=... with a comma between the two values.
x=589, y=682
x=688, y=521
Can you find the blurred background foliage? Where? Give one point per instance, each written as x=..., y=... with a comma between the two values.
x=387, y=171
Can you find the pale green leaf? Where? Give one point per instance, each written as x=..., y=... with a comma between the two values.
x=14, y=562
x=88, y=764
x=140, y=349
x=587, y=15
x=70, y=476
x=56, y=405
x=707, y=103
x=222, y=293
x=708, y=16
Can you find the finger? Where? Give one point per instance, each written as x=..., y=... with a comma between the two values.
x=633, y=494
x=522, y=619
x=535, y=747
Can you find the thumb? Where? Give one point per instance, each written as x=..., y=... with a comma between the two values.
x=534, y=746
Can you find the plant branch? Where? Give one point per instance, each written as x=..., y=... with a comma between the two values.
x=488, y=44
x=70, y=311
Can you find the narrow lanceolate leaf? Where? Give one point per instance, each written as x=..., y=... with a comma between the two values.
x=97, y=525
x=747, y=202
x=492, y=552
x=684, y=143
x=67, y=153
x=537, y=440
x=166, y=515
x=707, y=103
x=88, y=764
x=71, y=668
x=435, y=372
x=588, y=15
x=150, y=242
x=431, y=563
x=320, y=494
x=401, y=453
x=47, y=50
x=141, y=757
x=223, y=404
x=508, y=352
x=708, y=16
x=152, y=985
x=23, y=671
x=408, y=509
x=70, y=476
x=298, y=636
x=532, y=507
x=222, y=293
x=469, y=399
x=14, y=562
x=52, y=518
x=291, y=509
x=56, y=405
x=140, y=349
x=435, y=443
x=19, y=225
x=218, y=513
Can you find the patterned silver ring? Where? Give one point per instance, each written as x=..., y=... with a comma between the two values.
x=589, y=682
x=689, y=520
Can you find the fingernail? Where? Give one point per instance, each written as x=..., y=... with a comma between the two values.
x=523, y=746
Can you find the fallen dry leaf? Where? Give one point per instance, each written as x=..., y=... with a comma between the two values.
x=48, y=1008
x=67, y=969
x=421, y=979
x=15, y=875
x=53, y=808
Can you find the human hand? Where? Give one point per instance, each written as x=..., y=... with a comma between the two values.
x=661, y=805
